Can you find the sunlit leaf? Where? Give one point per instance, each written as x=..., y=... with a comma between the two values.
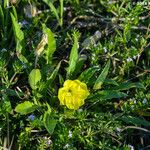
x=2, y=15
x=73, y=55
x=53, y=9
x=19, y=35
x=25, y=108
x=51, y=43
x=102, y=77
x=34, y=78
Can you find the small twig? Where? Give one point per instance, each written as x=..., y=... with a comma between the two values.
x=11, y=143
x=36, y=60
x=137, y=128
x=146, y=148
x=140, y=28
x=141, y=74
x=8, y=135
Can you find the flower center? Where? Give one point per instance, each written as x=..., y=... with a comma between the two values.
x=70, y=91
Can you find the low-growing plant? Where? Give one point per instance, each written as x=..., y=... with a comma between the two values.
x=92, y=97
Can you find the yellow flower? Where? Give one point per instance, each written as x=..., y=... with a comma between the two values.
x=73, y=93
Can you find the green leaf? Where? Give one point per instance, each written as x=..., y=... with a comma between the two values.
x=19, y=35
x=73, y=55
x=129, y=85
x=2, y=15
x=87, y=74
x=61, y=80
x=53, y=75
x=6, y=104
x=25, y=108
x=111, y=81
x=49, y=123
x=80, y=64
x=11, y=92
x=61, y=12
x=15, y=12
x=51, y=44
x=6, y=3
x=53, y=9
x=102, y=77
x=106, y=94
x=135, y=120
x=23, y=60
x=34, y=78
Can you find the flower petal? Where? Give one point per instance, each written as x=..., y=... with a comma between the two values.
x=73, y=94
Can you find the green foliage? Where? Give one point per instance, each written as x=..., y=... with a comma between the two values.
x=58, y=15
x=88, y=74
x=129, y=85
x=25, y=108
x=34, y=78
x=51, y=44
x=102, y=77
x=49, y=123
x=53, y=75
x=2, y=15
x=19, y=35
x=135, y=120
x=111, y=57
x=73, y=55
x=107, y=94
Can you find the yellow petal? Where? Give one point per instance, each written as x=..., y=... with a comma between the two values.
x=69, y=102
x=77, y=102
x=61, y=95
x=73, y=94
x=68, y=83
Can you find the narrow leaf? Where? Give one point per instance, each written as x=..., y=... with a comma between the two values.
x=87, y=74
x=80, y=64
x=2, y=15
x=15, y=12
x=51, y=43
x=129, y=85
x=5, y=3
x=73, y=55
x=61, y=12
x=106, y=94
x=111, y=81
x=135, y=120
x=11, y=92
x=102, y=77
x=19, y=35
x=53, y=75
x=34, y=78
x=53, y=9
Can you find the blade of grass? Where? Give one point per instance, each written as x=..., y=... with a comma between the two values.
x=73, y=55
x=61, y=12
x=53, y=9
x=101, y=77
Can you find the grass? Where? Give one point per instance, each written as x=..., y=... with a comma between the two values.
x=104, y=44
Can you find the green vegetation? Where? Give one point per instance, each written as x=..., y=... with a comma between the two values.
x=104, y=44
